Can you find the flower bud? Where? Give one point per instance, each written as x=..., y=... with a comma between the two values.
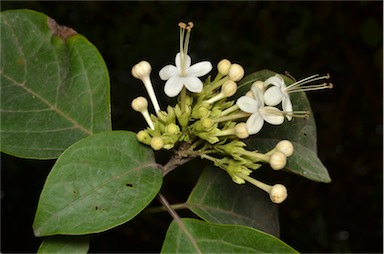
x=141, y=70
x=157, y=143
x=278, y=193
x=259, y=84
x=229, y=88
x=139, y=104
x=207, y=123
x=286, y=147
x=172, y=129
x=277, y=160
x=236, y=72
x=143, y=137
x=223, y=66
x=241, y=130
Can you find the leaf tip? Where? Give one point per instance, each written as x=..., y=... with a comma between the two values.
x=61, y=31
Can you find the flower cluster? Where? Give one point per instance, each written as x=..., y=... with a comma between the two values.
x=206, y=122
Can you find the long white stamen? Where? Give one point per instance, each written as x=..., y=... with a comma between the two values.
x=299, y=85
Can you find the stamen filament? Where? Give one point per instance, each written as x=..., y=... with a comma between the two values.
x=310, y=88
x=295, y=86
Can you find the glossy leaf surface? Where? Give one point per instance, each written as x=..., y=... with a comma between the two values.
x=54, y=86
x=98, y=183
x=194, y=236
x=64, y=244
x=216, y=198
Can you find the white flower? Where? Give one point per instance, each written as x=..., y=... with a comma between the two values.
x=260, y=113
x=279, y=92
x=183, y=74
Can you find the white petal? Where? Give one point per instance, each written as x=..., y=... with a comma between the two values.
x=168, y=71
x=248, y=104
x=193, y=84
x=173, y=86
x=258, y=94
x=254, y=123
x=178, y=61
x=272, y=115
x=199, y=69
x=274, y=80
x=287, y=106
x=273, y=96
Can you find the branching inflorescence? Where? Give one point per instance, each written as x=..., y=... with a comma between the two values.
x=206, y=123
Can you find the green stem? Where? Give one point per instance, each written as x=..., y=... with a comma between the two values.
x=159, y=209
x=182, y=99
x=232, y=117
x=260, y=156
x=263, y=186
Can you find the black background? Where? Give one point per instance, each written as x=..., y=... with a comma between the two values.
x=344, y=39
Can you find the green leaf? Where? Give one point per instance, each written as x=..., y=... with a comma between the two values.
x=216, y=198
x=64, y=244
x=98, y=183
x=54, y=86
x=194, y=236
x=301, y=132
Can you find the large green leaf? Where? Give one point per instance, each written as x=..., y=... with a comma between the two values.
x=194, y=236
x=64, y=244
x=98, y=183
x=216, y=198
x=301, y=132
x=54, y=86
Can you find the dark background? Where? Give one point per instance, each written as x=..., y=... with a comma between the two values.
x=344, y=39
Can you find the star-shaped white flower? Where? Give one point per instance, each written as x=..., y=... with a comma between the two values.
x=183, y=74
x=260, y=113
x=279, y=92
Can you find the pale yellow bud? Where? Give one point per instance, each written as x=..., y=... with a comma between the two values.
x=286, y=147
x=141, y=70
x=223, y=66
x=241, y=130
x=157, y=143
x=236, y=72
x=140, y=104
x=259, y=84
x=278, y=193
x=250, y=94
x=229, y=88
x=277, y=160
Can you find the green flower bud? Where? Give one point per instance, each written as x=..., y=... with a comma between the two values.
x=200, y=112
x=143, y=137
x=172, y=129
x=207, y=123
